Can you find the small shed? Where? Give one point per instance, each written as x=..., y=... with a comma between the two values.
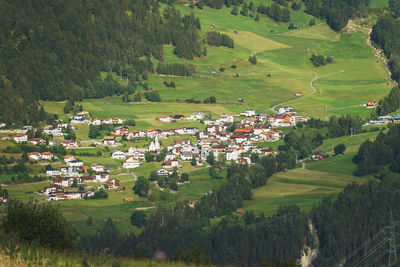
x=128, y=199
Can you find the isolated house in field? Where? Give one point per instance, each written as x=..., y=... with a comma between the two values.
x=371, y=104
x=109, y=140
x=118, y=155
x=20, y=138
x=166, y=118
x=318, y=155
x=130, y=163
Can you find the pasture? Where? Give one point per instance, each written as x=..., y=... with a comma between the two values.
x=298, y=186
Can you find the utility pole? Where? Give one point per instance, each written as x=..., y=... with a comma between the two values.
x=392, y=243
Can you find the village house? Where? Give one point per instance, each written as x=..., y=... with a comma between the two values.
x=371, y=104
x=136, y=134
x=95, y=122
x=187, y=155
x=87, y=179
x=196, y=116
x=109, y=140
x=130, y=163
x=203, y=135
x=51, y=189
x=121, y=131
x=170, y=164
x=98, y=167
x=112, y=183
x=226, y=119
x=178, y=117
x=78, y=119
x=319, y=155
x=223, y=137
x=35, y=156
x=185, y=141
x=20, y=138
x=101, y=177
x=118, y=155
x=52, y=172
x=53, y=143
x=245, y=131
x=162, y=172
x=166, y=133
x=151, y=133
x=69, y=158
x=248, y=113
x=75, y=163
x=219, y=148
x=70, y=143
x=170, y=156
x=232, y=155
x=69, y=171
x=117, y=121
x=53, y=130
x=285, y=110
x=107, y=121
x=67, y=181
x=57, y=181
x=249, y=121
x=37, y=141
x=166, y=118
x=259, y=129
x=238, y=138
x=47, y=155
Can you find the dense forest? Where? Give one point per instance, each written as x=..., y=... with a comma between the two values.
x=373, y=156
x=337, y=13
x=56, y=50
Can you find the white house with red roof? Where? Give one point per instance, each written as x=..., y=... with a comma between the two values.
x=47, y=155
x=112, y=183
x=166, y=118
x=35, y=156
x=131, y=163
x=170, y=164
x=20, y=138
x=98, y=167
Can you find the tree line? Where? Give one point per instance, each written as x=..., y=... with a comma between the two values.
x=337, y=13
x=386, y=34
x=373, y=156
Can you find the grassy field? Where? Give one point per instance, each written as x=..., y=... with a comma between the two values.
x=355, y=76
x=351, y=142
x=299, y=186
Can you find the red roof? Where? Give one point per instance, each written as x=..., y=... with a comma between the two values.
x=246, y=130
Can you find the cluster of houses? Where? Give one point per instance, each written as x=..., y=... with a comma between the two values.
x=76, y=171
x=224, y=137
x=382, y=120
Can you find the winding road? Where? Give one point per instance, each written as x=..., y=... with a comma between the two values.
x=311, y=85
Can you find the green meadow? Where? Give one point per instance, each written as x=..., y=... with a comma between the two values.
x=283, y=68
x=303, y=187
